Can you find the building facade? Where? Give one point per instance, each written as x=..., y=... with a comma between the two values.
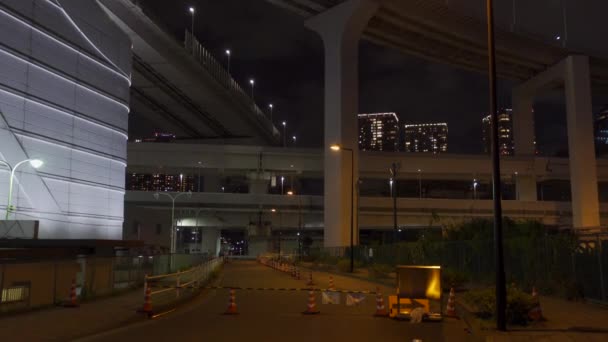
x=64, y=99
x=505, y=132
x=426, y=138
x=379, y=132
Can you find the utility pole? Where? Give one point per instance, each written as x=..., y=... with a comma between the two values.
x=501, y=291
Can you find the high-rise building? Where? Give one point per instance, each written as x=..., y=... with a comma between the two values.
x=429, y=137
x=65, y=72
x=505, y=132
x=601, y=132
x=378, y=132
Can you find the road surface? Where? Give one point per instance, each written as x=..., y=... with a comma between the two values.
x=276, y=315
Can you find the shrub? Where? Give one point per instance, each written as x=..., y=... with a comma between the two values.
x=380, y=271
x=519, y=304
x=344, y=265
x=451, y=278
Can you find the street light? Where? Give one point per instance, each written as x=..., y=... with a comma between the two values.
x=420, y=183
x=294, y=140
x=173, y=198
x=228, y=56
x=338, y=148
x=200, y=166
x=394, y=169
x=252, y=82
x=284, y=133
x=35, y=163
x=271, y=107
x=475, y=188
x=191, y=10
x=282, y=184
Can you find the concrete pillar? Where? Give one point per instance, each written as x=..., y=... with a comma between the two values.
x=340, y=28
x=258, y=182
x=523, y=122
x=583, y=170
x=211, y=241
x=526, y=188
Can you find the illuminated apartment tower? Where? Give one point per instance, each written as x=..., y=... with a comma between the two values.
x=430, y=137
x=378, y=132
x=505, y=132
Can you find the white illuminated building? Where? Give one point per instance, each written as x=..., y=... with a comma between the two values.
x=64, y=98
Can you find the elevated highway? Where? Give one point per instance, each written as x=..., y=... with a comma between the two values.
x=180, y=86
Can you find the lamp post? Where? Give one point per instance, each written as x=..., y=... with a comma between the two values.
x=173, y=198
x=420, y=183
x=282, y=184
x=475, y=188
x=501, y=290
x=200, y=166
x=35, y=163
x=393, y=171
x=228, y=57
x=284, y=133
x=271, y=106
x=252, y=82
x=338, y=148
x=294, y=140
x=192, y=11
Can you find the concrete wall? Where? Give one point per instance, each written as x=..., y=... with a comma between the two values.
x=64, y=98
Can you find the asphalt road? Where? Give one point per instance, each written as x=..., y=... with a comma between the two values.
x=276, y=315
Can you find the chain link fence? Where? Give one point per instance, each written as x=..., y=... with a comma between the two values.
x=572, y=268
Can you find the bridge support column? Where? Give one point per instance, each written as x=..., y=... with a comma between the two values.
x=340, y=29
x=210, y=241
x=583, y=169
x=574, y=73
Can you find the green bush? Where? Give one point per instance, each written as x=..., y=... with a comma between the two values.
x=519, y=304
x=378, y=271
x=344, y=265
x=451, y=278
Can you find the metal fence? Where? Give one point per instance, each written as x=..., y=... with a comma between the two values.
x=167, y=289
x=27, y=285
x=572, y=268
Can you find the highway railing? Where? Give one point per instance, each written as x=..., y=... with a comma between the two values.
x=223, y=77
x=168, y=289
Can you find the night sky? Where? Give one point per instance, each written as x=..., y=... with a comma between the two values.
x=286, y=60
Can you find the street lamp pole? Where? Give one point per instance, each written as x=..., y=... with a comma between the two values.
x=192, y=10
x=252, y=82
x=271, y=107
x=294, y=140
x=173, y=198
x=501, y=291
x=352, y=195
x=228, y=56
x=35, y=163
x=284, y=134
x=393, y=171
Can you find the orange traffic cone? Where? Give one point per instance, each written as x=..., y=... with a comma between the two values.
x=536, y=313
x=310, y=282
x=451, y=308
x=231, y=304
x=380, y=310
x=332, y=287
x=311, y=306
x=147, y=307
x=73, y=300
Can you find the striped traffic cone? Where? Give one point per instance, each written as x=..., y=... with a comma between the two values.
x=73, y=300
x=310, y=282
x=147, y=307
x=451, y=308
x=380, y=310
x=232, y=304
x=311, y=306
x=536, y=313
x=332, y=287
